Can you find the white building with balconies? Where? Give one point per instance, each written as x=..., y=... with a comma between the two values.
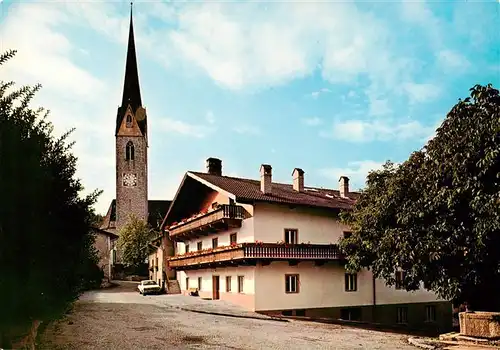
x=272, y=248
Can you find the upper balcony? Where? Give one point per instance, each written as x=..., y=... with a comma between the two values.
x=222, y=218
x=250, y=253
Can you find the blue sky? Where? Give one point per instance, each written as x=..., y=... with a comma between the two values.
x=334, y=88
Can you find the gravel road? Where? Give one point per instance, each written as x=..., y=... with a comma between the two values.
x=119, y=318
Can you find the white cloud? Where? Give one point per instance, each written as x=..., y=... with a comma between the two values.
x=356, y=172
x=359, y=131
x=418, y=93
x=238, y=49
x=210, y=117
x=452, y=61
x=242, y=46
x=75, y=97
x=247, y=129
x=417, y=12
x=313, y=121
x=183, y=128
x=315, y=94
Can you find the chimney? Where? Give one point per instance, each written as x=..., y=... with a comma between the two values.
x=298, y=180
x=266, y=178
x=214, y=166
x=344, y=186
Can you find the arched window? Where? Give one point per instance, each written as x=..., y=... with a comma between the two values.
x=129, y=121
x=129, y=151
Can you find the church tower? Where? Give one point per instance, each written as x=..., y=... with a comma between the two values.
x=131, y=145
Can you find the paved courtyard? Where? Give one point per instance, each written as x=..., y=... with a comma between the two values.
x=120, y=318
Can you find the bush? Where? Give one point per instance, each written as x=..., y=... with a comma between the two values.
x=46, y=251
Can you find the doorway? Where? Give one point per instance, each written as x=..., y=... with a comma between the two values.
x=215, y=288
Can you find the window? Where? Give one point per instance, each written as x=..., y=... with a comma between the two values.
x=347, y=234
x=402, y=315
x=240, y=284
x=351, y=282
x=200, y=245
x=129, y=151
x=187, y=283
x=215, y=242
x=351, y=314
x=400, y=276
x=129, y=121
x=430, y=313
x=231, y=201
x=291, y=283
x=300, y=312
x=291, y=236
x=199, y=283
x=187, y=248
x=157, y=262
x=232, y=238
x=228, y=284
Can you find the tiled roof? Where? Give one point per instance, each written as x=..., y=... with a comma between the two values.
x=249, y=190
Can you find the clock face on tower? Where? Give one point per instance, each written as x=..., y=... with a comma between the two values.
x=129, y=180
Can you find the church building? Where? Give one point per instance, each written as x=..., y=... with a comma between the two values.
x=131, y=135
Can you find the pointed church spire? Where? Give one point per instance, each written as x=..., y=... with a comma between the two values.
x=131, y=88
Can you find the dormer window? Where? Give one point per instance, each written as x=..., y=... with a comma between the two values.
x=129, y=121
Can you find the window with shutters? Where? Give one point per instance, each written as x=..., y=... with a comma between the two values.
x=351, y=282
x=200, y=245
x=430, y=313
x=291, y=235
x=291, y=283
x=233, y=238
x=187, y=248
x=402, y=315
x=228, y=284
x=240, y=284
x=215, y=243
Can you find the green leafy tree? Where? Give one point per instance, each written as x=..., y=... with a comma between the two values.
x=437, y=215
x=134, y=242
x=46, y=245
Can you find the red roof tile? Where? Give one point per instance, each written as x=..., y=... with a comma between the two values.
x=249, y=190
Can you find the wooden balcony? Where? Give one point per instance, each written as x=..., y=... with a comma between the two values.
x=251, y=253
x=221, y=219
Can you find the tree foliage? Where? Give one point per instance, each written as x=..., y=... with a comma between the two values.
x=134, y=242
x=46, y=250
x=437, y=215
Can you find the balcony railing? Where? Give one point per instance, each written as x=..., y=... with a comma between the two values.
x=255, y=251
x=295, y=251
x=225, y=217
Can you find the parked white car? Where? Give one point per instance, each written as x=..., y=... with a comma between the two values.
x=149, y=287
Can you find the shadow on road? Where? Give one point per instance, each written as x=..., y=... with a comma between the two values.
x=120, y=287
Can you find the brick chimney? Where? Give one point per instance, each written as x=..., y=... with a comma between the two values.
x=266, y=178
x=344, y=186
x=298, y=180
x=214, y=166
